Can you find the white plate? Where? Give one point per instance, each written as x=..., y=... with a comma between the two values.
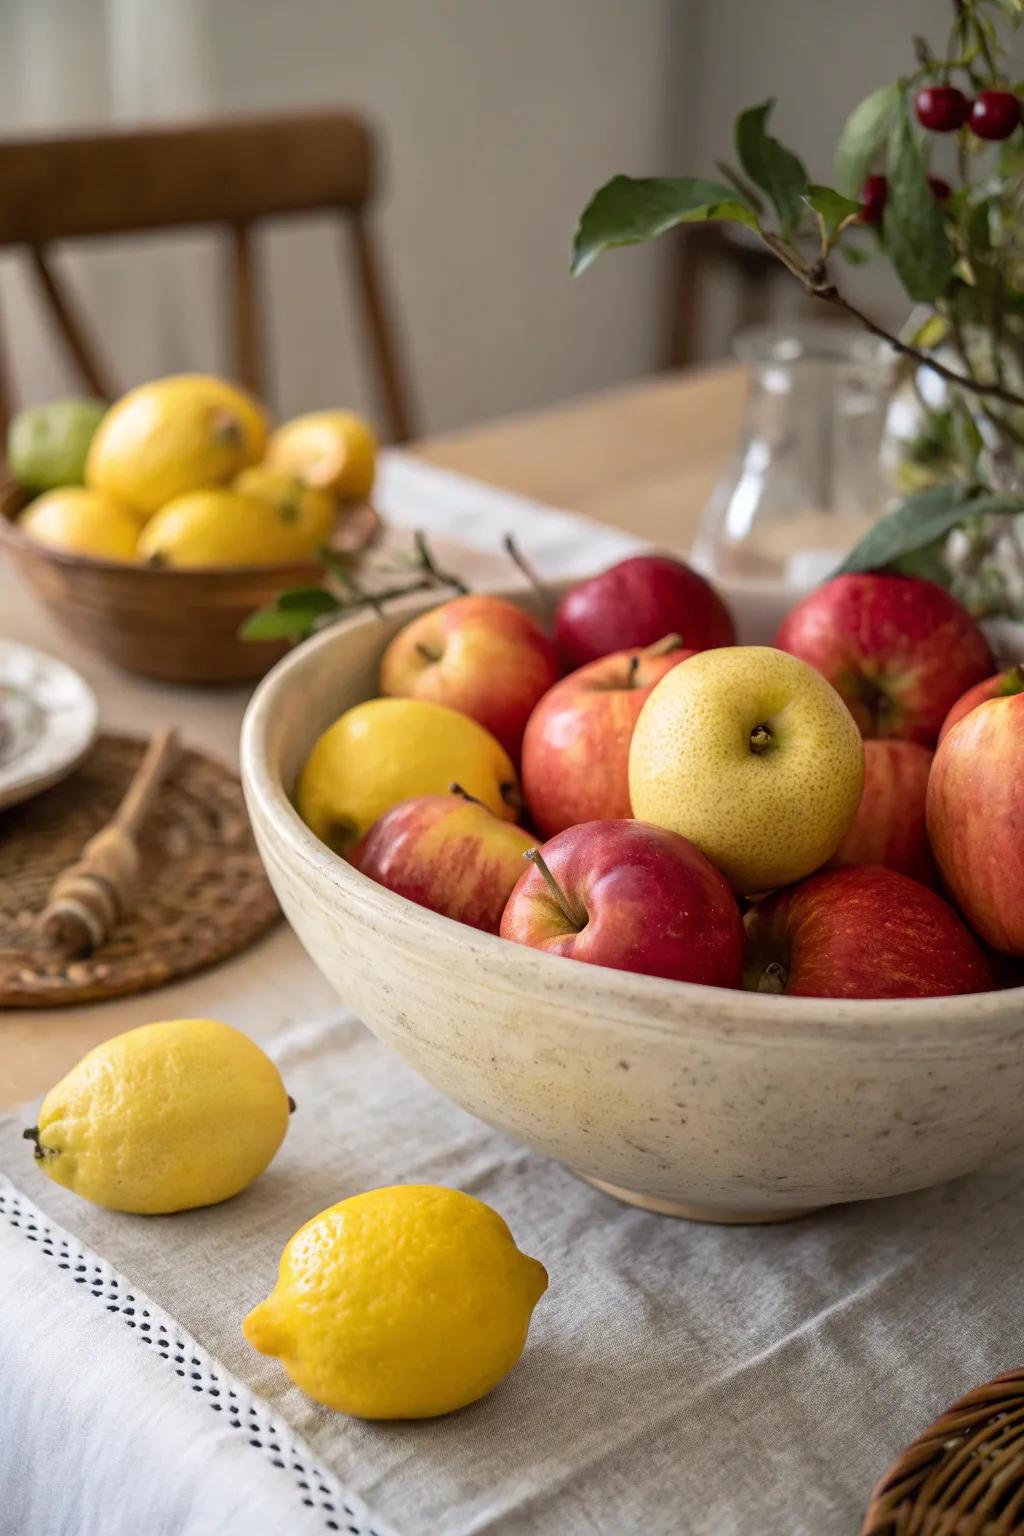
x=48, y=720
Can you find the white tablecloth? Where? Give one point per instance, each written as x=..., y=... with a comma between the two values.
x=685, y=1380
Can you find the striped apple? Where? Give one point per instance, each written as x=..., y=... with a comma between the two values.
x=976, y=819
x=1001, y=686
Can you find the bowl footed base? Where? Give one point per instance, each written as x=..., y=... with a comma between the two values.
x=722, y=1215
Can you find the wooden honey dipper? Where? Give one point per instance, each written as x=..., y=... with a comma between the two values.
x=87, y=899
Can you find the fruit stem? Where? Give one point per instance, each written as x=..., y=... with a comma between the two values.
x=292, y=1106
x=761, y=739
x=427, y=654
x=665, y=645
x=511, y=796
x=457, y=789
x=517, y=557
x=773, y=978
x=31, y=1133
x=574, y=916
x=632, y=670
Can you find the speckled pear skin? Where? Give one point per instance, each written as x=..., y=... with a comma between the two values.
x=690, y=1100
x=764, y=817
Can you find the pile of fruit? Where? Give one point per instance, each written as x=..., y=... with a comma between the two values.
x=838, y=815
x=185, y=471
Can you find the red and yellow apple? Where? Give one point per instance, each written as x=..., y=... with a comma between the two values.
x=900, y=650
x=976, y=819
x=481, y=655
x=863, y=932
x=575, y=763
x=636, y=602
x=1002, y=686
x=889, y=827
x=448, y=853
x=754, y=757
x=633, y=897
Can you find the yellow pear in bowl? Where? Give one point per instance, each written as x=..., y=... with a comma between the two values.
x=754, y=757
x=387, y=750
x=174, y=435
x=82, y=522
x=332, y=450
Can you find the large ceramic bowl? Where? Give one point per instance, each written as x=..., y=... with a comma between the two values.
x=701, y=1102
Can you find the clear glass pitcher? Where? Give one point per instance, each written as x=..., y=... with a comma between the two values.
x=806, y=480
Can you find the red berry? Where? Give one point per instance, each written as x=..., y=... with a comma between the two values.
x=941, y=108
x=994, y=115
x=872, y=199
x=940, y=189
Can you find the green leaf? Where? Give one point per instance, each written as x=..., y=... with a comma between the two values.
x=1013, y=10
x=274, y=623
x=316, y=599
x=932, y=332
x=628, y=210
x=921, y=519
x=833, y=207
x=915, y=238
x=863, y=136
x=770, y=166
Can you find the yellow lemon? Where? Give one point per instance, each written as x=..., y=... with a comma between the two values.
x=387, y=750
x=163, y=1118
x=402, y=1303
x=83, y=523
x=311, y=512
x=174, y=435
x=220, y=527
x=333, y=450
x=754, y=757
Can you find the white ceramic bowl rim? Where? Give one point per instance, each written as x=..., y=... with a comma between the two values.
x=786, y=1019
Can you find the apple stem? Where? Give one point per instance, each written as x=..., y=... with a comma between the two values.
x=665, y=645
x=761, y=739
x=573, y=915
x=427, y=653
x=518, y=559
x=457, y=789
x=511, y=796
x=633, y=669
x=773, y=978
x=1015, y=678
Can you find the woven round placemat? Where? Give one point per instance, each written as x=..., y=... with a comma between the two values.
x=964, y=1476
x=201, y=894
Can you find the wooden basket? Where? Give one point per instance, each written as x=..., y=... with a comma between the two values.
x=181, y=626
x=964, y=1476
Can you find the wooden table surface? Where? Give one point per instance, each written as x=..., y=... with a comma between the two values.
x=643, y=458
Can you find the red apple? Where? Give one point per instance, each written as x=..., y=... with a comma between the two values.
x=900, y=650
x=480, y=655
x=864, y=932
x=889, y=827
x=1003, y=685
x=576, y=747
x=636, y=602
x=448, y=853
x=631, y=896
x=976, y=819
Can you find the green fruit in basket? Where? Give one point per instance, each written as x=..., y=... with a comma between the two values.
x=47, y=444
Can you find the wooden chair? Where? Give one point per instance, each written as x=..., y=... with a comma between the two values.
x=232, y=173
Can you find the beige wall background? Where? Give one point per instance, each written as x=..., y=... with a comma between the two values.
x=500, y=117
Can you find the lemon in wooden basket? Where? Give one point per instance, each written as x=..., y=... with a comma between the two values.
x=82, y=522
x=163, y=1118
x=224, y=527
x=334, y=450
x=386, y=750
x=310, y=512
x=401, y=1303
x=175, y=435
